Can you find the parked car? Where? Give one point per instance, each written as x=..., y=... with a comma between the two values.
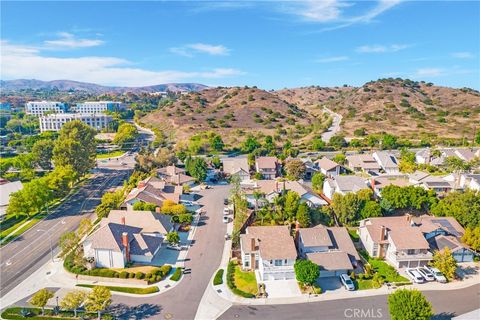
x=347, y=282
x=415, y=275
x=438, y=275
x=426, y=274
x=172, y=246
x=225, y=201
x=226, y=211
x=225, y=219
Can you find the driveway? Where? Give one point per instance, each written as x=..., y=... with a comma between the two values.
x=330, y=284
x=169, y=256
x=282, y=288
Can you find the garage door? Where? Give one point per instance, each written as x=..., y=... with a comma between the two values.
x=104, y=259
x=339, y=272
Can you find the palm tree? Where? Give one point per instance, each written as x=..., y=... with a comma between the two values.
x=257, y=195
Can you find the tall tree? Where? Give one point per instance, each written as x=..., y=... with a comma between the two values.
x=295, y=169
x=317, y=181
x=76, y=147
x=42, y=152
x=306, y=271
x=197, y=168
x=303, y=215
x=292, y=200
x=126, y=135
x=68, y=241
x=98, y=300
x=445, y=262
x=405, y=304
x=472, y=238
x=73, y=300
x=31, y=199
x=41, y=298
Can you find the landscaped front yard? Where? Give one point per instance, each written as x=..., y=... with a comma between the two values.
x=245, y=281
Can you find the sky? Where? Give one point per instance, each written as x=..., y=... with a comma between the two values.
x=270, y=44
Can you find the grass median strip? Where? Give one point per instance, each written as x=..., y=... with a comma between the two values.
x=110, y=154
x=132, y=290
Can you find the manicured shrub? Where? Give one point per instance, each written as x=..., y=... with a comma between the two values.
x=123, y=275
x=176, y=275
x=148, y=275
x=165, y=270
x=218, y=278
x=131, y=275
x=139, y=275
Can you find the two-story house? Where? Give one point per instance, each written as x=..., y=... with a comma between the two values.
x=328, y=167
x=268, y=167
x=387, y=161
x=343, y=185
x=236, y=166
x=329, y=247
x=363, y=163
x=269, y=251
x=153, y=190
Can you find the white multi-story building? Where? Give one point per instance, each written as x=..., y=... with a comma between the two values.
x=98, y=106
x=55, y=122
x=39, y=108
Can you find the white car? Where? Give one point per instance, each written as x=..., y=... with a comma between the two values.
x=347, y=282
x=415, y=275
x=438, y=275
x=226, y=219
x=226, y=211
x=426, y=274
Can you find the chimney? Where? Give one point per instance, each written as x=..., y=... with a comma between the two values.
x=123, y=220
x=383, y=235
x=252, y=244
x=372, y=184
x=126, y=246
x=252, y=255
x=141, y=184
x=157, y=209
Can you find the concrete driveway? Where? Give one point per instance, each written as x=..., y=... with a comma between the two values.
x=169, y=256
x=282, y=288
x=330, y=284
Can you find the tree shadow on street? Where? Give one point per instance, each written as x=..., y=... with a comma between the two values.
x=142, y=311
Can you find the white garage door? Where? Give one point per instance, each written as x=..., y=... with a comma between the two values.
x=104, y=259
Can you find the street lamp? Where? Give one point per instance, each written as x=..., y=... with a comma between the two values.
x=50, y=240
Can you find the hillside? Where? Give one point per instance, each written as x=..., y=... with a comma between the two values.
x=91, y=88
x=235, y=112
x=402, y=107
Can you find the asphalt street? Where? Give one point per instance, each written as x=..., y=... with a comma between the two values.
x=446, y=304
x=181, y=302
x=32, y=249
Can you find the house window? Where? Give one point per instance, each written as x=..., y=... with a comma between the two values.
x=247, y=264
x=278, y=263
x=410, y=251
x=285, y=262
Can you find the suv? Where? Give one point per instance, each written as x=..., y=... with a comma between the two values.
x=437, y=275
x=415, y=275
x=226, y=211
x=427, y=274
x=225, y=219
x=347, y=282
x=225, y=201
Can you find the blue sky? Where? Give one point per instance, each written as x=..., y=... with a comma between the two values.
x=265, y=43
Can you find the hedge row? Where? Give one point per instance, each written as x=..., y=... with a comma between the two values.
x=155, y=275
x=218, y=278
x=133, y=290
x=231, y=282
x=176, y=275
x=15, y=313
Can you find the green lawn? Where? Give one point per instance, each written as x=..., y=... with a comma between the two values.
x=132, y=290
x=388, y=272
x=110, y=154
x=245, y=281
x=35, y=314
x=363, y=284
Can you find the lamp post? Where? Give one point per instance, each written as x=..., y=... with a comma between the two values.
x=50, y=241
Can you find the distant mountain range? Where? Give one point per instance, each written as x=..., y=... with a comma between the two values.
x=69, y=85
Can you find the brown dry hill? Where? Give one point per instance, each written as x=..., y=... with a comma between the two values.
x=234, y=112
x=402, y=107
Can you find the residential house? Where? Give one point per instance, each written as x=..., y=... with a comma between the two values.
x=6, y=189
x=330, y=248
x=310, y=168
x=175, y=175
x=406, y=241
x=378, y=183
x=470, y=181
x=269, y=251
x=343, y=185
x=270, y=189
x=426, y=156
x=153, y=190
x=268, y=167
x=429, y=182
x=328, y=167
x=363, y=163
x=387, y=161
x=237, y=166
x=127, y=236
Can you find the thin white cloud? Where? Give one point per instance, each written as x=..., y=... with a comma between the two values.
x=429, y=72
x=189, y=50
x=332, y=59
x=462, y=55
x=28, y=63
x=70, y=41
x=333, y=12
x=381, y=48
